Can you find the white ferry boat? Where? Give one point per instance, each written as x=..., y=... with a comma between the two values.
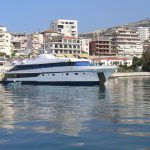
x=48, y=69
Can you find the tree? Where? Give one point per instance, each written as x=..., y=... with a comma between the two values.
x=146, y=61
x=136, y=63
x=13, y=54
x=2, y=54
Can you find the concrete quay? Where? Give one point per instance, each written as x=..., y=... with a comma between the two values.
x=130, y=74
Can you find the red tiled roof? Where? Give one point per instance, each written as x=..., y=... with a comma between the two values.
x=69, y=37
x=49, y=31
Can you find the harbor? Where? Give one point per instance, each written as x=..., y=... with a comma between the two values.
x=75, y=75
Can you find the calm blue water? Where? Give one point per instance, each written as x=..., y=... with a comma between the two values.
x=115, y=116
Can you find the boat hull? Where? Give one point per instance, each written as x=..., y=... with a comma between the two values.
x=89, y=75
x=56, y=83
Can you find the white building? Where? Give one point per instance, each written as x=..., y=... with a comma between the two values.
x=111, y=61
x=64, y=45
x=126, y=42
x=35, y=41
x=85, y=45
x=19, y=41
x=5, y=41
x=66, y=27
x=144, y=33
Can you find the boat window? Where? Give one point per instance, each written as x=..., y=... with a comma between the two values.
x=59, y=64
x=67, y=74
x=24, y=75
x=38, y=66
x=53, y=74
x=83, y=63
x=76, y=73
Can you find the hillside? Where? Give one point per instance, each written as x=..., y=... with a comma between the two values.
x=142, y=23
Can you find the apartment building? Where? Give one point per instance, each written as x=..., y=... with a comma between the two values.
x=64, y=45
x=66, y=27
x=126, y=42
x=101, y=47
x=85, y=45
x=5, y=41
x=49, y=34
x=35, y=41
x=20, y=45
x=144, y=33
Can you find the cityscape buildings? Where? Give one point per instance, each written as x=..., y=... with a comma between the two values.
x=116, y=44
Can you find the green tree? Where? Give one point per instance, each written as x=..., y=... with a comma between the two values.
x=13, y=54
x=146, y=61
x=2, y=54
x=136, y=63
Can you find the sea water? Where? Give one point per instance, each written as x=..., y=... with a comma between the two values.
x=111, y=116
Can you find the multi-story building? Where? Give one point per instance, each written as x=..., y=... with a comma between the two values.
x=66, y=27
x=35, y=41
x=85, y=45
x=64, y=45
x=101, y=47
x=60, y=45
x=144, y=33
x=48, y=35
x=113, y=60
x=19, y=41
x=5, y=41
x=126, y=42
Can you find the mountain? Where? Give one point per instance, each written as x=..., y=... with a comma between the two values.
x=142, y=23
x=107, y=32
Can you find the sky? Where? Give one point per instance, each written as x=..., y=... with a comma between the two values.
x=37, y=15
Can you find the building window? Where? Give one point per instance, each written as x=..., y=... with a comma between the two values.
x=65, y=41
x=56, y=46
x=60, y=45
x=60, y=26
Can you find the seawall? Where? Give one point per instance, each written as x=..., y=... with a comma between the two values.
x=130, y=74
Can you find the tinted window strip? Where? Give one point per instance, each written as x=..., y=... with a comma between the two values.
x=38, y=66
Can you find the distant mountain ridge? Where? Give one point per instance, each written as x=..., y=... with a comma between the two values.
x=108, y=31
x=133, y=25
x=141, y=23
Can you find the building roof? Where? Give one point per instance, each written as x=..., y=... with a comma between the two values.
x=49, y=31
x=112, y=58
x=69, y=37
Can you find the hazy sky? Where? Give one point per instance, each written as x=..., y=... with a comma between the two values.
x=36, y=15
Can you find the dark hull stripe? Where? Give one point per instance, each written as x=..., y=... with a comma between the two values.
x=66, y=83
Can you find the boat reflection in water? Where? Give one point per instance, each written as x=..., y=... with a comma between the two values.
x=63, y=109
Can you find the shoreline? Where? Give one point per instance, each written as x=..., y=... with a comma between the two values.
x=129, y=74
